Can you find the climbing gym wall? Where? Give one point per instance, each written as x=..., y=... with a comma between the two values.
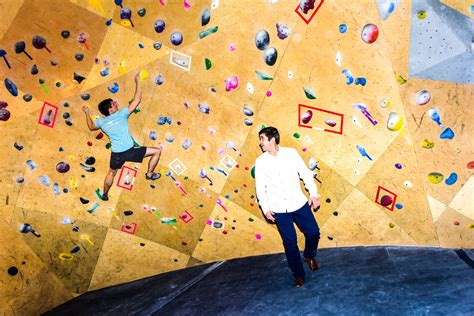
x=375, y=95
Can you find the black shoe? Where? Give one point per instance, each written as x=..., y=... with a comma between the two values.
x=154, y=176
x=105, y=197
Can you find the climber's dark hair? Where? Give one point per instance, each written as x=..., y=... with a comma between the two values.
x=270, y=132
x=104, y=106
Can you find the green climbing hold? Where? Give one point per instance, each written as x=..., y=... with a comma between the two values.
x=252, y=172
x=263, y=76
x=208, y=32
x=296, y=135
x=208, y=63
x=108, y=145
x=309, y=93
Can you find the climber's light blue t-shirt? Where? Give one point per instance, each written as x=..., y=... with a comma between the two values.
x=116, y=128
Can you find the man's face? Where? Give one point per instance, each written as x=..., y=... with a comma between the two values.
x=113, y=107
x=264, y=143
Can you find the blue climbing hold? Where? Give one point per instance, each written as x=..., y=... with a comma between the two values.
x=453, y=177
x=447, y=133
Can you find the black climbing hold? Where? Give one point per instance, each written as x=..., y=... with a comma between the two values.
x=79, y=56
x=65, y=34
x=27, y=97
x=34, y=70
x=85, y=96
x=13, y=271
x=90, y=161
x=128, y=213
x=141, y=12
x=83, y=200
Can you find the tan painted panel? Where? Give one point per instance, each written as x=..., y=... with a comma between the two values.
x=123, y=259
x=56, y=242
x=56, y=16
x=415, y=217
x=455, y=230
x=242, y=241
x=360, y=222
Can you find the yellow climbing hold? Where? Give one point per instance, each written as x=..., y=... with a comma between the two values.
x=143, y=75
x=435, y=177
x=427, y=144
x=401, y=80
x=422, y=14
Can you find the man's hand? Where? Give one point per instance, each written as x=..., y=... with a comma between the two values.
x=269, y=216
x=85, y=108
x=137, y=77
x=315, y=202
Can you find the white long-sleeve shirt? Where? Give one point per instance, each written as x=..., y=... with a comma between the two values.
x=277, y=181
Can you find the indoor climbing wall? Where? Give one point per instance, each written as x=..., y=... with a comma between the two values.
x=375, y=95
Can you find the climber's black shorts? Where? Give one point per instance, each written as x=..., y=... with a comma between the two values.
x=135, y=154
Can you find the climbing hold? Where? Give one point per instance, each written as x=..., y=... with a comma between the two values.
x=11, y=87
x=248, y=111
x=401, y=80
x=231, y=83
x=65, y=34
x=62, y=167
x=394, y=122
x=342, y=28
x=369, y=33
x=207, y=63
x=283, y=31
x=141, y=12
x=157, y=45
x=176, y=38
x=427, y=144
x=386, y=200
x=39, y=42
x=205, y=17
x=435, y=177
x=262, y=39
x=423, y=97
x=447, y=133
x=159, y=26
x=4, y=114
x=361, y=81
x=330, y=122
x=309, y=93
x=270, y=56
x=208, y=32
x=78, y=78
x=421, y=14
x=453, y=177
x=434, y=114
x=20, y=48
x=114, y=88
x=159, y=80
x=263, y=76
x=306, y=116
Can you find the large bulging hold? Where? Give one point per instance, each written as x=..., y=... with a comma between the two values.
x=262, y=39
x=270, y=56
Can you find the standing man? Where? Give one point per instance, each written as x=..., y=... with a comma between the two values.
x=277, y=175
x=115, y=125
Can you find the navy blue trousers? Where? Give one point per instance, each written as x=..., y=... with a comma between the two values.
x=306, y=222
